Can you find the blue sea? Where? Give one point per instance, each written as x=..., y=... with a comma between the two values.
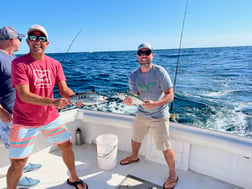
x=213, y=87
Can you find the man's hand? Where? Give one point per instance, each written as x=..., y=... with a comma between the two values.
x=78, y=104
x=5, y=116
x=149, y=104
x=128, y=101
x=60, y=103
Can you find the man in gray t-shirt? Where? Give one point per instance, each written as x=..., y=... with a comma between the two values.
x=153, y=84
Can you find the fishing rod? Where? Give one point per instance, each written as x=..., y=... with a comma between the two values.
x=173, y=116
x=70, y=46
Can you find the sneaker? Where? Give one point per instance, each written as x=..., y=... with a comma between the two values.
x=27, y=182
x=31, y=167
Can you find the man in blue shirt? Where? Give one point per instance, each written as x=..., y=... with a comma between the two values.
x=10, y=40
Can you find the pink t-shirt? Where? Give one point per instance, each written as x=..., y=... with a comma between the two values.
x=41, y=77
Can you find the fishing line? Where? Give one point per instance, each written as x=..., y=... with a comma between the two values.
x=70, y=46
x=173, y=117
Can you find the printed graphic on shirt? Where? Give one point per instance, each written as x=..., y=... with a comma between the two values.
x=42, y=78
x=145, y=89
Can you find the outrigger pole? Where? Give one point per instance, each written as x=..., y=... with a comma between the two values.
x=70, y=45
x=173, y=116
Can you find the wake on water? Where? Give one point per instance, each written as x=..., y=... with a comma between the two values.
x=191, y=111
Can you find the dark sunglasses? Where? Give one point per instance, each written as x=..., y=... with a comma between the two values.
x=35, y=37
x=20, y=39
x=141, y=53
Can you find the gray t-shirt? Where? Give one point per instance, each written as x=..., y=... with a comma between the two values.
x=150, y=86
x=7, y=93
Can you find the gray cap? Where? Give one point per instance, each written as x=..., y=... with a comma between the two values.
x=37, y=27
x=8, y=32
x=145, y=45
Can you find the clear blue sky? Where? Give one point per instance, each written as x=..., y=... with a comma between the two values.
x=109, y=25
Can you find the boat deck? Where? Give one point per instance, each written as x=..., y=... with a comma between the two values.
x=53, y=174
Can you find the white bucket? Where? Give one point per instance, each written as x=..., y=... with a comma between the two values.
x=107, y=145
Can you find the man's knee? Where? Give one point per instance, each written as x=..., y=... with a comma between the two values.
x=66, y=146
x=18, y=163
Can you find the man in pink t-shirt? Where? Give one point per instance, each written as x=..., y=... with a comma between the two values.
x=34, y=76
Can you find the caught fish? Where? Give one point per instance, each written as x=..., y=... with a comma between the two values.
x=136, y=100
x=88, y=98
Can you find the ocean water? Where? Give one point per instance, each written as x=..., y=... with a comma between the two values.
x=213, y=88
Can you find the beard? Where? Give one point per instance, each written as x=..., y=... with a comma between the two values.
x=145, y=64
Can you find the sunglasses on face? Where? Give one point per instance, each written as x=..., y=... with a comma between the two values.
x=19, y=38
x=35, y=37
x=141, y=53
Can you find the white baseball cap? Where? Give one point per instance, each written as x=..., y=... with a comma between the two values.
x=37, y=27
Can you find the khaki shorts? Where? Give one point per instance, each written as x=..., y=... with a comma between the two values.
x=158, y=127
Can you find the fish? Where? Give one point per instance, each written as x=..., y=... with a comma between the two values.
x=136, y=100
x=88, y=98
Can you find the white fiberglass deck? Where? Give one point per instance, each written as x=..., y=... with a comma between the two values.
x=53, y=174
